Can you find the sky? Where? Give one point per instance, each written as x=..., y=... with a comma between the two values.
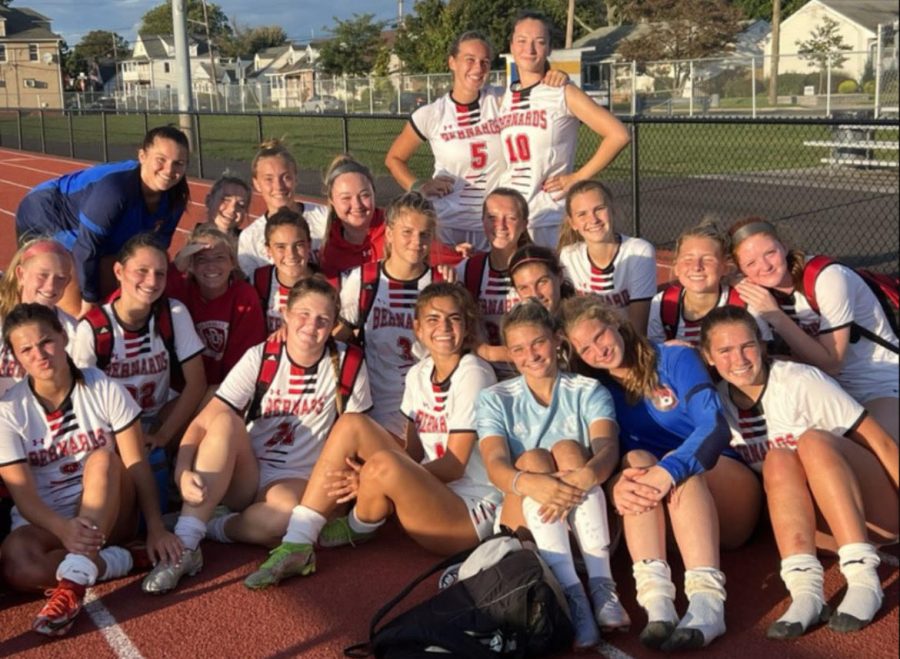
x=301, y=19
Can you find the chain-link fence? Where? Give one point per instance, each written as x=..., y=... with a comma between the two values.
x=830, y=184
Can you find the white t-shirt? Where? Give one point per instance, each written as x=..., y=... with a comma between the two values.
x=539, y=135
x=437, y=409
x=139, y=359
x=297, y=410
x=10, y=371
x=797, y=398
x=57, y=444
x=630, y=277
x=870, y=370
x=465, y=142
x=689, y=330
x=252, y=241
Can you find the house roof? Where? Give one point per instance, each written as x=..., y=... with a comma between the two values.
x=606, y=40
x=26, y=24
x=155, y=45
x=868, y=13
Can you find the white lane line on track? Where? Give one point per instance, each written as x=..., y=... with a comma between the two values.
x=612, y=652
x=117, y=640
x=18, y=185
x=10, y=213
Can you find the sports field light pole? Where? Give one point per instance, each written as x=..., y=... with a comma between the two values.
x=183, y=64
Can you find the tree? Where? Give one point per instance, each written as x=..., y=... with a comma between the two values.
x=159, y=20
x=5, y=3
x=763, y=8
x=102, y=45
x=354, y=46
x=245, y=42
x=824, y=46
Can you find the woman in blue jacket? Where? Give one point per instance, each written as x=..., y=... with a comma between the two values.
x=94, y=211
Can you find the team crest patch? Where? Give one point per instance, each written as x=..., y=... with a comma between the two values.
x=664, y=399
x=215, y=335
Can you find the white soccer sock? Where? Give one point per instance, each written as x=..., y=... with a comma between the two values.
x=805, y=580
x=118, y=562
x=655, y=590
x=190, y=530
x=859, y=565
x=361, y=527
x=705, y=590
x=77, y=568
x=552, y=540
x=588, y=521
x=304, y=526
x=215, y=528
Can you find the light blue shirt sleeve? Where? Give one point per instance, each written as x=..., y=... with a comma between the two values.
x=490, y=417
x=599, y=405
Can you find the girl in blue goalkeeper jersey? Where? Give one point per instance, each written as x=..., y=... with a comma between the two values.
x=673, y=432
x=94, y=211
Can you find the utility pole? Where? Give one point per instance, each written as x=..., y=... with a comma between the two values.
x=570, y=23
x=214, y=96
x=776, y=48
x=183, y=64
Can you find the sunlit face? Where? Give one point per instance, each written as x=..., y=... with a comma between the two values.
x=163, y=164
x=591, y=217
x=43, y=278
x=700, y=264
x=597, y=344
x=471, y=66
x=532, y=350
x=530, y=46
x=763, y=259
x=503, y=224
x=353, y=200
x=39, y=349
x=275, y=181
x=410, y=238
x=212, y=267
x=441, y=327
x=289, y=250
x=231, y=208
x=537, y=281
x=143, y=276
x=736, y=354
x=309, y=321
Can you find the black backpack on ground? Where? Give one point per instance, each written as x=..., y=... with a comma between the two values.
x=512, y=607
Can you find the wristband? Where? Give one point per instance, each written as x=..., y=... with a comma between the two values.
x=515, y=482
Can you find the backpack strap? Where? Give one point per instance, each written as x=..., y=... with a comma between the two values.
x=811, y=272
x=670, y=310
x=370, y=274
x=164, y=325
x=347, y=374
x=103, y=335
x=268, y=366
x=734, y=298
x=262, y=282
x=475, y=273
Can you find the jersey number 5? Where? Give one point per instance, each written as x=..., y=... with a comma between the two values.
x=479, y=154
x=517, y=148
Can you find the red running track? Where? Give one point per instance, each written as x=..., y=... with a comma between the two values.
x=212, y=614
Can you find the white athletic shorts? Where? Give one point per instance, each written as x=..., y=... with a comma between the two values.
x=483, y=504
x=453, y=237
x=68, y=510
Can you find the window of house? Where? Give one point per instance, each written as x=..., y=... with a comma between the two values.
x=165, y=67
x=33, y=52
x=2, y=53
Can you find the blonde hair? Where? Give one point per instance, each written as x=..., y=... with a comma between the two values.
x=206, y=234
x=567, y=233
x=707, y=228
x=409, y=202
x=342, y=164
x=9, y=284
x=272, y=148
x=639, y=355
x=754, y=225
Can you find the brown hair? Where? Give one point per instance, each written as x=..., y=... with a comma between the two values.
x=180, y=193
x=521, y=208
x=139, y=241
x=342, y=164
x=470, y=35
x=9, y=284
x=462, y=298
x=727, y=315
x=528, y=312
x=639, y=355
x=533, y=253
x=215, y=192
x=27, y=313
x=286, y=217
x=567, y=233
x=751, y=226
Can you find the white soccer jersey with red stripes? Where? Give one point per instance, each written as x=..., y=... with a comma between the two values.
x=275, y=302
x=797, y=397
x=630, y=277
x=10, y=371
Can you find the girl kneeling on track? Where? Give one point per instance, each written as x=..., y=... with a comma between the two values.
x=81, y=424
x=38, y=272
x=673, y=430
x=445, y=503
x=378, y=299
x=225, y=309
x=618, y=269
x=807, y=436
x=831, y=320
x=549, y=441
x=288, y=245
x=259, y=465
x=700, y=265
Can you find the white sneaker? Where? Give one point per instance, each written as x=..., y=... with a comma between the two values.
x=164, y=577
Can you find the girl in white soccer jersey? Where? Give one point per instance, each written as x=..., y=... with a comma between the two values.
x=289, y=248
x=549, y=440
x=437, y=487
x=618, y=269
x=38, y=272
x=377, y=302
x=127, y=338
x=539, y=131
x=461, y=129
x=253, y=450
x=806, y=436
x=72, y=457
x=850, y=336
x=700, y=265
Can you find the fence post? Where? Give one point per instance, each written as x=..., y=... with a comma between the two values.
x=635, y=182
x=146, y=123
x=72, y=134
x=878, y=59
x=371, y=96
x=104, y=137
x=633, y=87
x=691, y=77
x=43, y=134
x=753, y=86
x=259, y=127
x=19, y=127
x=199, y=147
x=346, y=133
x=828, y=86
x=428, y=87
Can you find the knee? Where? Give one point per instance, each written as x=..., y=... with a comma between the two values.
x=537, y=460
x=381, y=467
x=780, y=466
x=814, y=444
x=569, y=454
x=639, y=459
